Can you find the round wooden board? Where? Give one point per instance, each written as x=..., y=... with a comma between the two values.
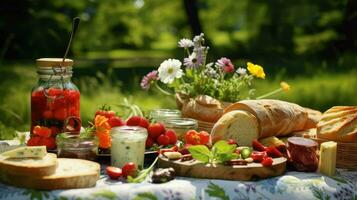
x=250, y=172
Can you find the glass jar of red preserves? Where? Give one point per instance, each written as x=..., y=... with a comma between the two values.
x=55, y=102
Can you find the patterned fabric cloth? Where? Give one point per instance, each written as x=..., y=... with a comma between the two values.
x=293, y=185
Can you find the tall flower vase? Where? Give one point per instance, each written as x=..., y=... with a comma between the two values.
x=205, y=109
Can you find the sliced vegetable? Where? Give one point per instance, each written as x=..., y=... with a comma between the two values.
x=258, y=146
x=114, y=172
x=273, y=152
x=245, y=153
x=258, y=156
x=267, y=161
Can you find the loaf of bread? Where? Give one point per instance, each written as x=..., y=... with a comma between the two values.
x=70, y=173
x=239, y=125
x=338, y=123
x=29, y=166
x=271, y=117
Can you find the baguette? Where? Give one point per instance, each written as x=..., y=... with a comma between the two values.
x=339, y=123
x=29, y=166
x=70, y=173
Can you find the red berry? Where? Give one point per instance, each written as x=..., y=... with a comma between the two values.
x=155, y=130
x=113, y=172
x=149, y=142
x=34, y=141
x=163, y=140
x=54, y=92
x=116, y=121
x=129, y=169
x=231, y=141
x=172, y=136
x=42, y=131
x=204, y=136
x=267, y=161
x=138, y=121
x=60, y=114
x=47, y=114
x=49, y=142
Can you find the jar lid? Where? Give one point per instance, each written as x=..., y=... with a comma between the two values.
x=51, y=62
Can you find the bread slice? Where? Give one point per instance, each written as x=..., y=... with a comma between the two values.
x=239, y=125
x=29, y=166
x=338, y=123
x=70, y=173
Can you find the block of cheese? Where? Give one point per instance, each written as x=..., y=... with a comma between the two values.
x=239, y=125
x=29, y=166
x=70, y=173
x=327, y=163
x=338, y=123
x=26, y=152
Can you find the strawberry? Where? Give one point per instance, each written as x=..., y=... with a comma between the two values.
x=34, y=141
x=149, y=142
x=172, y=136
x=41, y=131
x=155, y=130
x=54, y=92
x=47, y=114
x=116, y=121
x=163, y=140
x=105, y=111
x=50, y=142
x=60, y=114
x=137, y=121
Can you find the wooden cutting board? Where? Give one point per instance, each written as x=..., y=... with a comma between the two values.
x=252, y=171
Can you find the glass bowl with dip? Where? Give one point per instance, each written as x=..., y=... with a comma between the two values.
x=159, y=115
x=181, y=126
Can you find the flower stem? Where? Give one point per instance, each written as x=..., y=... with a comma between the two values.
x=270, y=93
x=162, y=90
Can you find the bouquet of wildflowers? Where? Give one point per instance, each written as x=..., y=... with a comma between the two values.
x=194, y=76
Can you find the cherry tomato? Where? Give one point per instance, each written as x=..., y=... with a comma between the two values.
x=129, y=169
x=267, y=161
x=204, y=137
x=258, y=156
x=194, y=138
x=114, y=172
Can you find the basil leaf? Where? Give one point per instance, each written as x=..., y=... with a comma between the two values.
x=221, y=158
x=222, y=147
x=200, y=153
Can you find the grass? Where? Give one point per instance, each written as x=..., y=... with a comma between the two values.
x=320, y=91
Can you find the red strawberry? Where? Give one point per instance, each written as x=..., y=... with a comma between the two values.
x=50, y=142
x=155, y=130
x=116, y=121
x=149, y=142
x=172, y=136
x=41, y=131
x=34, y=141
x=137, y=121
x=163, y=140
x=47, y=114
x=60, y=114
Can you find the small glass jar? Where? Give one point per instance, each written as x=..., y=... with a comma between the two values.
x=159, y=115
x=55, y=101
x=181, y=126
x=73, y=146
x=128, y=145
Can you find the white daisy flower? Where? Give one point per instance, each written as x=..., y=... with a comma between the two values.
x=241, y=71
x=185, y=43
x=169, y=70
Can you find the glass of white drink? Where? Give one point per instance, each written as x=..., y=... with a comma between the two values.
x=128, y=145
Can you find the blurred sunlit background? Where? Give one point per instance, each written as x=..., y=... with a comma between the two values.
x=310, y=44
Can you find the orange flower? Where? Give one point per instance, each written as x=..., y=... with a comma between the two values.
x=102, y=128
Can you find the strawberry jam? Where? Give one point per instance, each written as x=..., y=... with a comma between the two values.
x=55, y=102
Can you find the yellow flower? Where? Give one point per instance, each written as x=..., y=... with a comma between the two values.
x=285, y=86
x=256, y=70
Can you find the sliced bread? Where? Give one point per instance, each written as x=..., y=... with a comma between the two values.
x=70, y=173
x=29, y=166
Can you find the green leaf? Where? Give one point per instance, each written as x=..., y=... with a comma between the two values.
x=222, y=147
x=214, y=190
x=221, y=158
x=145, y=195
x=200, y=153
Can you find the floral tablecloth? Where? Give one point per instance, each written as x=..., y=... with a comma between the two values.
x=293, y=185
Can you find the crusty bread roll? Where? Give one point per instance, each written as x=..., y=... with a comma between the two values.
x=203, y=107
x=239, y=125
x=28, y=166
x=275, y=117
x=70, y=173
x=338, y=123
x=268, y=117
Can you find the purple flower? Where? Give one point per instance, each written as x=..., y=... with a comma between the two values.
x=226, y=65
x=149, y=79
x=193, y=61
